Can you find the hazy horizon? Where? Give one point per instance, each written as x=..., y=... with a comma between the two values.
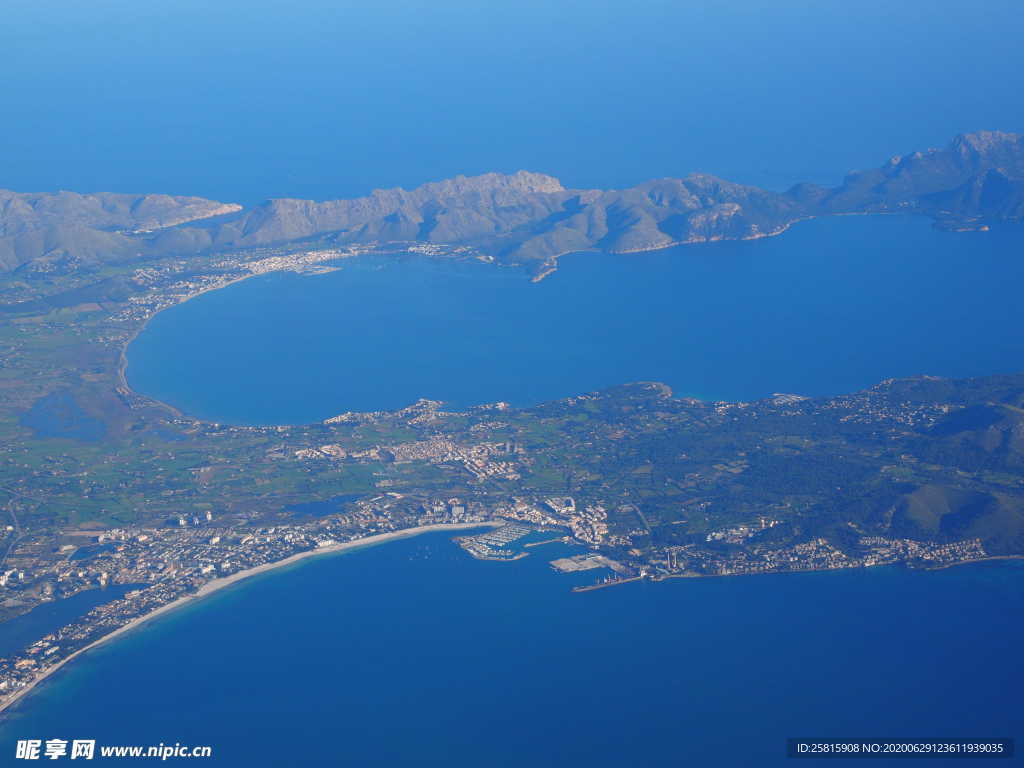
x=313, y=100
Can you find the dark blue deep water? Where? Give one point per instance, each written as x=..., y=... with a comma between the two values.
x=831, y=306
x=413, y=654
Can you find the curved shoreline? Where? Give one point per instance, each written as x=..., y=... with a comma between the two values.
x=547, y=267
x=216, y=585
x=121, y=374
x=220, y=583
x=122, y=358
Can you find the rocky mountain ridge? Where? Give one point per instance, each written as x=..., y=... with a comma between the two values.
x=520, y=218
x=71, y=229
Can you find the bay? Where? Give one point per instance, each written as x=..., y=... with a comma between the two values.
x=831, y=306
x=412, y=653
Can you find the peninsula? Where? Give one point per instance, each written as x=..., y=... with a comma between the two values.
x=100, y=485
x=526, y=219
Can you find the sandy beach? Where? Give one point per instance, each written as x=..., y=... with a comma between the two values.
x=218, y=584
x=122, y=365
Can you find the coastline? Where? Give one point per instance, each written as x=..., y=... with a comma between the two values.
x=220, y=583
x=122, y=360
x=548, y=267
x=121, y=375
x=216, y=585
x=667, y=576
x=987, y=559
x=550, y=263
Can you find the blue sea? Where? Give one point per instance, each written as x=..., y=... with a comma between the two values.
x=412, y=653
x=831, y=306
x=241, y=101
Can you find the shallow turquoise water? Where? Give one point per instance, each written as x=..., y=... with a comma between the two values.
x=833, y=305
x=411, y=653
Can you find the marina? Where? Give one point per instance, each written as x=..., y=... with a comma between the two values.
x=492, y=545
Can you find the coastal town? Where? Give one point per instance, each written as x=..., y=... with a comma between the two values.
x=504, y=384
x=642, y=485
x=172, y=564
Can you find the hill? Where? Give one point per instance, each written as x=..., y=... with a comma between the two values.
x=68, y=231
x=521, y=218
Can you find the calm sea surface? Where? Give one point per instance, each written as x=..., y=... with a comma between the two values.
x=414, y=654
x=832, y=306
x=240, y=101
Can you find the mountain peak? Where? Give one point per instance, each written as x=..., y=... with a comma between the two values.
x=982, y=145
x=527, y=182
